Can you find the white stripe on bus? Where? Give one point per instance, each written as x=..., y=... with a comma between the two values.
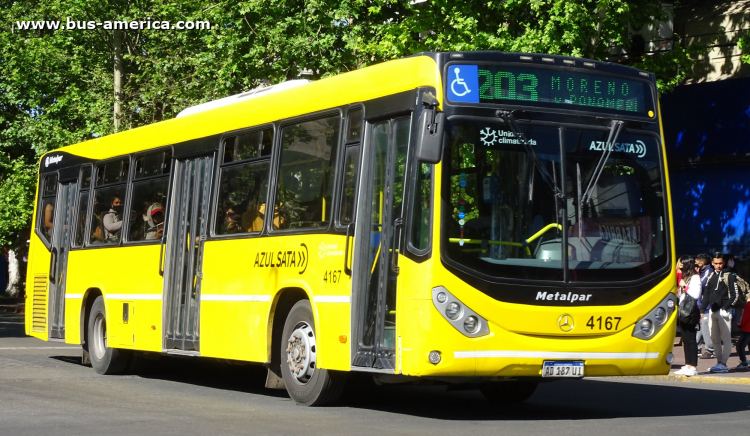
x=553, y=355
x=235, y=298
x=332, y=299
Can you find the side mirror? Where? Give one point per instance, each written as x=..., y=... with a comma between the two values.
x=430, y=139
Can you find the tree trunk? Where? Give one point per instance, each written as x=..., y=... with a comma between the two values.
x=14, y=274
x=118, y=76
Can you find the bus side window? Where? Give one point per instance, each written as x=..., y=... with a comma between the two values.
x=47, y=210
x=83, y=203
x=420, y=225
x=243, y=190
x=148, y=209
x=306, y=173
x=349, y=187
x=107, y=215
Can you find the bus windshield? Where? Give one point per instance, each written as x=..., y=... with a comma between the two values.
x=509, y=209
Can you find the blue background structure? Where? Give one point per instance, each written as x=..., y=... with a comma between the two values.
x=707, y=136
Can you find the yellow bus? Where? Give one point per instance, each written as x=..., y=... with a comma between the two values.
x=485, y=218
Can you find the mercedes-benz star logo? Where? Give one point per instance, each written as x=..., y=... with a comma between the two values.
x=566, y=322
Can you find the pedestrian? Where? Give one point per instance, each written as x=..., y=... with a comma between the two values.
x=703, y=336
x=721, y=294
x=691, y=289
x=744, y=341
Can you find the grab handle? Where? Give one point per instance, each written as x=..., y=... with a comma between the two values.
x=349, y=234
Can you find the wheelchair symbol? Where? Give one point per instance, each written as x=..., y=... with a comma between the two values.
x=459, y=81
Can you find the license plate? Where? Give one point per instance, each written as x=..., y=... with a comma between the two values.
x=562, y=369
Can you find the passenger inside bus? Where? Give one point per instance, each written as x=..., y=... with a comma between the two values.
x=155, y=221
x=112, y=220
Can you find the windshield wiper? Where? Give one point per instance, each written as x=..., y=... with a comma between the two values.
x=511, y=122
x=614, y=133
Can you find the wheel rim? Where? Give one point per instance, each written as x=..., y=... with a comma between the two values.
x=99, y=341
x=301, y=352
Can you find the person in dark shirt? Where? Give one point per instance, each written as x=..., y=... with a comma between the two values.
x=720, y=294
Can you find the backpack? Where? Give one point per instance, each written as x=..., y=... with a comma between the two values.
x=742, y=289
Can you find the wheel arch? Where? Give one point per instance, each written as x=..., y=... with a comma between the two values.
x=281, y=305
x=89, y=297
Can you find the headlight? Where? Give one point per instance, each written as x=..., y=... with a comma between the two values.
x=441, y=297
x=471, y=324
x=647, y=327
x=661, y=315
x=452, y=310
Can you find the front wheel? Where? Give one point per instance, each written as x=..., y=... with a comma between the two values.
x=104, y=359
x=307, y=384
x=508, y=392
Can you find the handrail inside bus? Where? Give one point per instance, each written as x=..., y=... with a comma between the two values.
x=543, y=231
x=524, y=244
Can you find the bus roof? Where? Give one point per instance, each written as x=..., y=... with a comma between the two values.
x=357, y=86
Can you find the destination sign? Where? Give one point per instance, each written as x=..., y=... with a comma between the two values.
x=547, y=87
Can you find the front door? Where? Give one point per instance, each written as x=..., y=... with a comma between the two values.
x=61, y=237
x=376, y=243
x=186, y=233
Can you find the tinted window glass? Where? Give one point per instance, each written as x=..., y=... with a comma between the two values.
x=47, y=219
x=242, y=198
x=83, y=203
x=50, y=185
x=148, y=209
x=86, y=177
x=351, y=169
x=153, y=164
x=420, y=228
x=248, y=145
x=112, y=172
x=354, y=128
x=107, y=215
x=306, y=173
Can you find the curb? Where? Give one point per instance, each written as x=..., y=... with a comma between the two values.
x=14, y=309
x=671, y=378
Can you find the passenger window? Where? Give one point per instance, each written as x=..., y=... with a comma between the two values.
x=420, y=226
x=148, y=210
x=243, y=190
x=351, y=169
x=86, y=178
x=248, y=145
x=83, y=203
x=305, y=184
x=155, y=164
x=354, y=127
x=47, y=218
x=50, y=186
x=112, y=172
x=107, y=215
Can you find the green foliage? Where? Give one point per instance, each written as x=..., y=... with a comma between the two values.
x=744, y=44
x=16, y=205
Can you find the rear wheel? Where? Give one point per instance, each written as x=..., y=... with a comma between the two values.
x=508, y=392
x=307, y=384
x=104, y=359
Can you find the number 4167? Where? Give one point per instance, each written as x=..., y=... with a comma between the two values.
x=608, y=323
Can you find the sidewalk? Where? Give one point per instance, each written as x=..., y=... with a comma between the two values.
x=738, y=377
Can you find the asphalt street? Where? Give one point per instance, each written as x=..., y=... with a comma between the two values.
x=44, y=390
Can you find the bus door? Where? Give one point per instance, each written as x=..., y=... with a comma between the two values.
x=62, y=229
x=187, y=229
x=376, y=242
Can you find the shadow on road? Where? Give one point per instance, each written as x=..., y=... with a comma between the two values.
x=12, y=325
x=561, y=400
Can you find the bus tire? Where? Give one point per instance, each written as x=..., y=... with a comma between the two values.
x=306, y=384
x=104, y=360
x=508, y=392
